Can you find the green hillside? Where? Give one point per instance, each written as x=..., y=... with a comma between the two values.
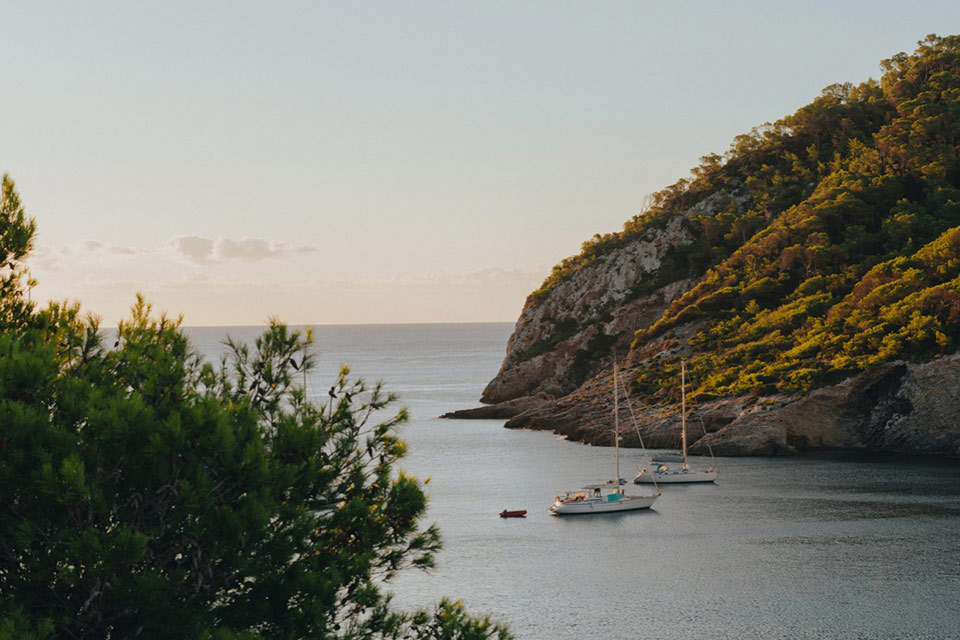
x=836, y=246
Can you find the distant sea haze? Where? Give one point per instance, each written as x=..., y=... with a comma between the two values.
x=812, y=547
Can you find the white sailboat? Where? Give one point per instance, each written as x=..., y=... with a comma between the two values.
x=608, y=497
x=664, y=474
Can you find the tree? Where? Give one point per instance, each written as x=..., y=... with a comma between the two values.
x=16, y=241
x=147, y=493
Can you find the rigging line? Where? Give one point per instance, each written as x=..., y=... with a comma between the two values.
x=706, y=440
x=636, y=427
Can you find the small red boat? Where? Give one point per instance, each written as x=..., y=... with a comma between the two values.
x=522, y=513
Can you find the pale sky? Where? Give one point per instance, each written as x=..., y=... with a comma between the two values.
x=368, y=162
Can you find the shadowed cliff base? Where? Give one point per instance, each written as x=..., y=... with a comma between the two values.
x=898, y=407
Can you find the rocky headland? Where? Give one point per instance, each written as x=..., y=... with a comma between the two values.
x=899, y=406
x=810, y=278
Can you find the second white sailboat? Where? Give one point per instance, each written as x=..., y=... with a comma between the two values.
x=664, y=474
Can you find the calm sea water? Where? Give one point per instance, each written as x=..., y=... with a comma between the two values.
x=813, y=547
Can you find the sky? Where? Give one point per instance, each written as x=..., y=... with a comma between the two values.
x=379, y=162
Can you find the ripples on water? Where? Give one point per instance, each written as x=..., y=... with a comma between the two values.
x=836, y=546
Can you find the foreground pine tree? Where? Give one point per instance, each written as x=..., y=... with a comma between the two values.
x=145, y=493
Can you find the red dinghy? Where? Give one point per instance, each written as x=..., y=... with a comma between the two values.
x=513, y=514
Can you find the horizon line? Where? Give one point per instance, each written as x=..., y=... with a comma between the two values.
x=335, y=324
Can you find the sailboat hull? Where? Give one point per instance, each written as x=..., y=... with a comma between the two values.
x=585, y=507
x=675, y=477
x=608, y=497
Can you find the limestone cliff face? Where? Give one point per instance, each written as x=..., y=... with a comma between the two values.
x=561, y=369
x=565, y=335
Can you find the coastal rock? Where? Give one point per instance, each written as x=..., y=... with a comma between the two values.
x=503, y=410
x=898, y=407
x=901, y=407
x=922, y=414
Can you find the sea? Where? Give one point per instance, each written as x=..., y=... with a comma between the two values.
x=824, y=546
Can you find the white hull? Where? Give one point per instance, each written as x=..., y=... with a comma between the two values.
x=675, y=477
x=596, y=505
x=608, y=497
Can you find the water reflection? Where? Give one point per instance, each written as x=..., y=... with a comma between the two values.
x=816, y=509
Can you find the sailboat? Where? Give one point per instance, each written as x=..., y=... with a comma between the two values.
x=608, y=497
x=663, y=474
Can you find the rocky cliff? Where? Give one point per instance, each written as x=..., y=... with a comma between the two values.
x=569, y=332
x=810, y=278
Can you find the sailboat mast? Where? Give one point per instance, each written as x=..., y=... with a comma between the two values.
x=683, y=411
x=616, y=426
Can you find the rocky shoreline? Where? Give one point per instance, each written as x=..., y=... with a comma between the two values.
x=899, y=407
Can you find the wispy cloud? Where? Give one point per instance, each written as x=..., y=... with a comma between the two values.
x=248, y=293
x=206, y=251
x=244, y=281
x=87, y=252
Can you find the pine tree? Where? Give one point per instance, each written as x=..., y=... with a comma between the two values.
x=146, y=493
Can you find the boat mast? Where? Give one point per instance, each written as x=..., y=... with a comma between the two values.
x=683, y=411
x=616, y=426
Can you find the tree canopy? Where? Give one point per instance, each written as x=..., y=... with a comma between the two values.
x=145, y=492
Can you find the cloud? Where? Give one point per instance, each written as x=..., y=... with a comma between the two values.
x=84, y=252
x=252, y=249
x=206, y=251
x=194, y=248
x=233, y=295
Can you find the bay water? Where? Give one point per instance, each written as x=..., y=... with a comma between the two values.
x=826, y=546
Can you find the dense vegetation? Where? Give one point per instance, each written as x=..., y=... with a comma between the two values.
x=147, y=493
x=832, y=244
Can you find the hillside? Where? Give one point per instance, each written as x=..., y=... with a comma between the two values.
x=816, y=261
